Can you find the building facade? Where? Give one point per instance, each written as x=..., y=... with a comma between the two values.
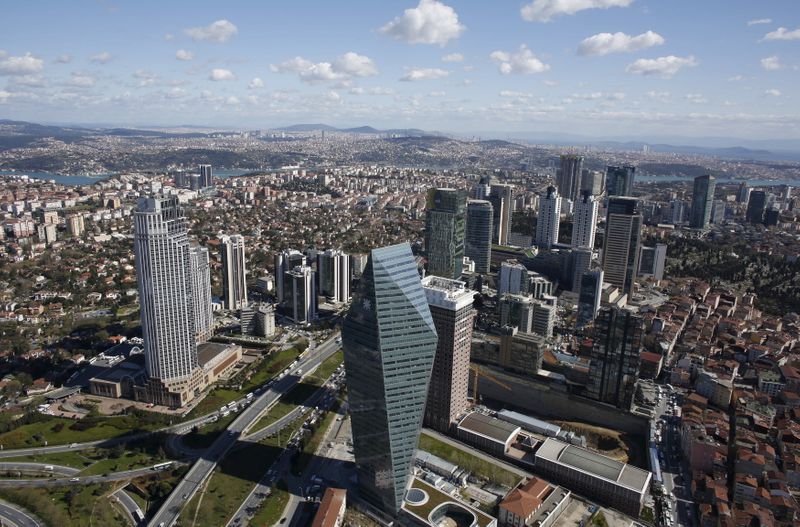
x=501, y=199
x=286, y=261
x=619, y=180
x=444, y=231
x=548, y=218
x=614, y=365
x=569, y=176
x=702, y=198
x=300, y=295
x=584, y=220
x=622, y=240
x=201, y=293
x=234, y=279
x=389, y=340
x=333, y=270
x=478, y=237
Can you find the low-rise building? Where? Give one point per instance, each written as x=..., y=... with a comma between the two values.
x=536, y=502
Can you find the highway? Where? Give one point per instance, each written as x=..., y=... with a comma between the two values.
x=38, y=468
x=79, y=480
x=203, y=467
x=132, y=508
x=15, y=516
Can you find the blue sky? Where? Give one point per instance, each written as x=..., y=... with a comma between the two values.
x=614, y=68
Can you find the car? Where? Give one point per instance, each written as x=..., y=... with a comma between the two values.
x=74, y=480
x=185, y=497
x=73, y=445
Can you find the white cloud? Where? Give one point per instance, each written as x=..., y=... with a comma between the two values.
x=146, y=78
x=379, y=90
x=344, y=67
x=65, y=58
x=783, y=34
x=220, y=74
x=522, y=62
x=605, y=43
x=232, y=100
x=758, y=21
x=422, y=74
x=81, y=80
x=453, y=57
x=256, y=83
x=437, y=94
x=219, y=31
x=516, y=94
x=736, y=78
x=356, y=65
x=594, y=96
x=24, y=65
x=431, y=22
x=695, y=98
x=658, y=95
x=356, y=90
x=182, y=54
x=175, y=93
x=546, y=10
x=169, y=36
x=333, y=96
x=33, y=81
x=663, y=66
x=773, y=92
x=101, y=58
x=771, y=63
x=4, y=96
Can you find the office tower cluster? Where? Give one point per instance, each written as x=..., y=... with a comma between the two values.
x=203, y=178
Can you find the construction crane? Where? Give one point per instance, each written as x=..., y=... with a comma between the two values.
x=477, y=371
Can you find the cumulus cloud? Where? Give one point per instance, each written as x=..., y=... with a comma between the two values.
x=453, y=57
x=546, y=10
x=664, y=66
x=146, y=78
x=431, y=22
x=182, y=54
x=771, y=63
x=437, y=94
x=333, y=96
x=658, y=95
x=423, y=74
x=175, y=93
x=594, y=96
x=219, y=31
x=344, y=67
x=101, y=58
x=255, y=84
x=772, y=92
x=758, y=21
x=522, y=61
x=783, y=33
x=65, y=58
x=81, y=80
x=232, y=100
x=220, y=74
x=23, y=65
x=605, y=43
x=695, y=98
x=4, y=96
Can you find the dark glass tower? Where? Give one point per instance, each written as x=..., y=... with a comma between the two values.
x=615, y=357
x=756, y=206
x=478, y=239
x=568, y=178
x=623, y=237
x=389, y=343
x=444, y=231
x=702, y=197
x=619, y=180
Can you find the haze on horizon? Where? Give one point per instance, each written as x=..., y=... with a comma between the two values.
x=603, y=68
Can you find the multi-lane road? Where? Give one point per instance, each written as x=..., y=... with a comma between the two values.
x=204, y=466
x=17, y=517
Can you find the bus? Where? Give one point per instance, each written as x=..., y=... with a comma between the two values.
x=162, y=466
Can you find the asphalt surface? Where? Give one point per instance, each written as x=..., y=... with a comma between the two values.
x=674, y=471
x=16, y=516
x=132, y=508
x=37, y=467
x=77, y=480
x=204, y=466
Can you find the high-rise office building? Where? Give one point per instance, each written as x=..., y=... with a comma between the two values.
x=569, y=176
x=581, y=260
x=75, y=225
x=593, y=181
x=584, y=220
x=544, y=316
x=201, y=293
x=619, y=180
x=206, y=176
x=614, y=365
x=300, y=295
x=389, y=340
x=501, y=199
x=702, y=197
x=478, y=237
x=718, y=212
x=333, y=271
x=756, y=206
x=483, y=189
x=623, y=237
x=677, y=212
x=286, y=261
x=743, y=193
x=589, y=297
x=548, y=218
x=517, y=311
x=512, y=278
x=163, y=270
x=234, y=279
x=450, y=303
x=444, y=231
x=653, y=260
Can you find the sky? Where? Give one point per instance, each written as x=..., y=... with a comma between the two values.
x=603, y=68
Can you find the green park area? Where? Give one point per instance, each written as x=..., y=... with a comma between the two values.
x=478, y=466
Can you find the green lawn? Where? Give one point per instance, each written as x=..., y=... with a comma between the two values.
x=67, y=459
x=465, y=460
x=272, y=508
x=270, y=366
x=212, y=402
x=127, y=461
x=326, y=369
x=75, y=506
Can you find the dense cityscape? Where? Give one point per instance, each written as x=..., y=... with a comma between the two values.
x=208, y=325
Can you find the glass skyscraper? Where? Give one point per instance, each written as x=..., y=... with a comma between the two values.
x=389, y=341
x=702, y=198
x=444, y=231
x=478, y=239
x=619, y=180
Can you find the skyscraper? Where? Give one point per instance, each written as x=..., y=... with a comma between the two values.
x=389, y=340
x=614, y=365
x=286, y=261
x=653, y=260
x=584, y=220
x=450, y=303
x=163, y=270
x=591, y=287
x=234, y=279
x=444, y=231
x=619, y=180
x=206, y=176
x=333, y=270
x=501, y=200
x=548, y=218
x=756, y=206
x=593, y=181
x=299, y=294
x=478, y=237
x=581, y=260
x=201, y=293
x=702, y=198
x=569, y=176
x=622, y=240
x=512, y=278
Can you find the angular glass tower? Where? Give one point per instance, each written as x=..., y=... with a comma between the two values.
x=389, y=345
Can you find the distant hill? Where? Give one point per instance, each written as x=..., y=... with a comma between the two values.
x=355, y=130
x=307, y=128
